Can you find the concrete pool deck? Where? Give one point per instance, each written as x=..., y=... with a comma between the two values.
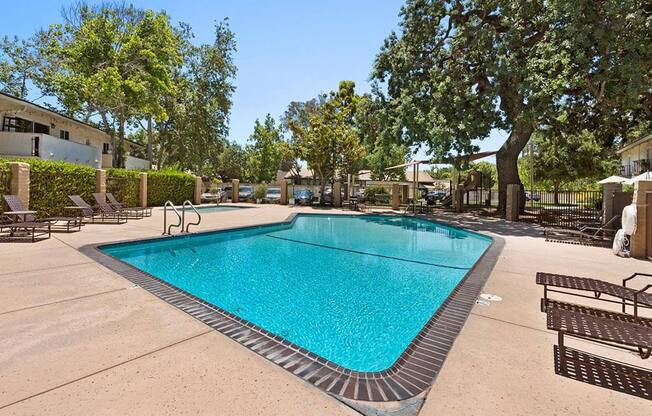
x=76, y=338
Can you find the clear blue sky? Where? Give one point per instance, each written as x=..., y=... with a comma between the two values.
x=288, y=50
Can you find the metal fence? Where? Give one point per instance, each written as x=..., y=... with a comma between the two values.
x=564, y=209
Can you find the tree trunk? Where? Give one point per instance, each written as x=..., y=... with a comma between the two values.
x=149, y=140
x=322, y=188
x=556, y=191
x=507, y=164
x=118, y=152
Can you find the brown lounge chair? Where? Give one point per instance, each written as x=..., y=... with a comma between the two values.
x=132, y=212
x=67, y=224
x=626, y=296
x=105, y=215
x=20, y=230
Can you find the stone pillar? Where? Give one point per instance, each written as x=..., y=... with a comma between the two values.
x=337, y=194
x=100, y=181
x=284, y=192
x=608, y=190
x=142, y=189
x=511, y=206
x=639, y=239
x=458, y=199
x=396, y=196
x=19, y=184
x=235, y=184
x=199, y=185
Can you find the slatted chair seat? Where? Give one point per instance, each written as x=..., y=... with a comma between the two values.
x=598, y=287
x=59, y=223
x=613, y=328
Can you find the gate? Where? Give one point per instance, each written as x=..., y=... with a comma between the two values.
x=564, y=209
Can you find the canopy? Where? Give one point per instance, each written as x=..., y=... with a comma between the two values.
x=647, y=176
x=613, y=179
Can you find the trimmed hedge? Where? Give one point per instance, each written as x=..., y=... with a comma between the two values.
x=169, y=185
x=51, y=182
x=124, y=185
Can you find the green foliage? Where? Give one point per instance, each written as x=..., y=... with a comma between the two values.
x=441, y=172
x=260, y=191
x=330, y=143
x=265, y=153
x=170, y=185
x=51, y=182
x=562, y=160
x=231, y=163
x=124, y=185
x=458, y=69
x=376, y=194
x=18, y=65
x=489, y=173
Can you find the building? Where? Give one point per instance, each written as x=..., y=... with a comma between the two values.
x=30, y=130
x=636, y=157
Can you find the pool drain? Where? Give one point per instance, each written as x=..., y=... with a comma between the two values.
x=491, y=298
x=481, y=302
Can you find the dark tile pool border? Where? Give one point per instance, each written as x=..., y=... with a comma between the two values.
x=413, y=372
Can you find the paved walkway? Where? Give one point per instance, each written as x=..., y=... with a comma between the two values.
x=76, y=339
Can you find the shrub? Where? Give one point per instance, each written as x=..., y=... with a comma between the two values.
x=376, y=193
x=124, y=185
x=260, y=192
x=170, y=185
x=51, y=182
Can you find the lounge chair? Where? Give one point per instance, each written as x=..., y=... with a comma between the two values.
x=614, y=329
x=586, y=235
x=106, y=214
x=67, y=224
x=132, y=212
x=625, y=296
x=30, y=229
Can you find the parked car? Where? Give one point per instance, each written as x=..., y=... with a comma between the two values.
x=434, y=196
x=532, y=196
x=303, y=197
x=273, y=196
x=246, y=193
x=227, y=193
x=212, y=196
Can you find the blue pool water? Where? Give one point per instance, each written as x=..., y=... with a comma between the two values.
x=353, y=289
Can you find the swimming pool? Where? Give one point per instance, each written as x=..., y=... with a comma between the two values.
x=354, y=290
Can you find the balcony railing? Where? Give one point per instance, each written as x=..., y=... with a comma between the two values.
x=635, y=168
x=49, y=147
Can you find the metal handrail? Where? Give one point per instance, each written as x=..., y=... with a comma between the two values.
x=183, y=215
x=167, y=230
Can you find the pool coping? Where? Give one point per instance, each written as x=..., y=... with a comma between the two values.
x=412, y=373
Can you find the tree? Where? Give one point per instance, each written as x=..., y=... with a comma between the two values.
x=231, y=162
x=296, y=120
x=330, y=143
x=18, y=65
x=194, y=135
x=461, y=68
x=112, y=60
x=562, y=159
x=265, y=153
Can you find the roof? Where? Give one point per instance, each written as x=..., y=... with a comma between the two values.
x=636, y=143
x=422, y=177
x=304, y=174
x=42, y=108
x=364, y=175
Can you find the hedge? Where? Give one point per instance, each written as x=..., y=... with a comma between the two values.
x=124, y=185
x=51, y=182
x=169, y=185
x=5, y=177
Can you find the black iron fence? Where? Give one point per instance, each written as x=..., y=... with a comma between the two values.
x=564, y=209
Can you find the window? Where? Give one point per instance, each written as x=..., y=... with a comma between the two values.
x=41, y=128
x=17, y=125
x=64, y=134
x=105, y=148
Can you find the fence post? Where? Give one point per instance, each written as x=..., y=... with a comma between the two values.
x=639, y=239
x=235, y=190
x=100, y=181
x=458, y=199
x=608, y=190
x=284, y=192
x=512, y=205
x=337, y=194
x=396, y=200
x=198, y=188
x=142, y=189
x=19, y=183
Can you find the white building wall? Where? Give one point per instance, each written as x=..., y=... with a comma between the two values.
x=134, y=163
x=50, y=148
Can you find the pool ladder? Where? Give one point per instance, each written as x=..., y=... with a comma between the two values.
x=167, y=229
